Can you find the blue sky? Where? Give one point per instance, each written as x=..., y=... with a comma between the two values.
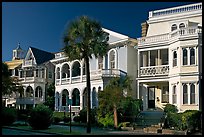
x=42, y=24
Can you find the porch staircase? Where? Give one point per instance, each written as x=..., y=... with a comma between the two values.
x=149, y=118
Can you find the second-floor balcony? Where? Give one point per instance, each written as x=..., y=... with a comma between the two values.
x=154, y=70
x=94, y=75
x=165, y=38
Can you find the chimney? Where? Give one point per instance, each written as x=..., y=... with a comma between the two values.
x=144, y=28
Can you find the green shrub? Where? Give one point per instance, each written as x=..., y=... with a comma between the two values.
x=40, y=117
x=83, y=115
x=9, y=115
x=106, y=121
x=76, y=119
x=57, y=120
x=191, y=120
x=173, y=120
x=170, y=108
x=66, y=119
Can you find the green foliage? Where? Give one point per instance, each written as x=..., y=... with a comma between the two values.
x=9, y=115
x=83, y=115
x=106, y=121
x=76, y=119
x=40, y=117
x=129, y=109
x=170, y=108
x=189, y=120
x=124, y=124
x=61, y=116
x=50, y=96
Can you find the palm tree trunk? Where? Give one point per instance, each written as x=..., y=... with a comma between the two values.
x=115, y=116
x=88, y=88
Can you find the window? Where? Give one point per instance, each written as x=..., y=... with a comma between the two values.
x=165, y=94
x=36, y=72
x=50, y=74
x=173, y=27
x=185, y=94
x=182, y=25
x=185, y=57
x=112, y=59
x=174, y=58
x=192, y=56
x=192, y=94
x=58, y=73
x=174, y=97
x=43, y=73
x=76, y=71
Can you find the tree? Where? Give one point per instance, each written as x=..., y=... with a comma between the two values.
x=6, y=80
x=10, y=84
x=50, y=96
x=84, y=38
x=113, y=94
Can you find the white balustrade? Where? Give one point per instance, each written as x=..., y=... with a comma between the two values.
x=168, y=36
x=154, y=70
x=176, y=10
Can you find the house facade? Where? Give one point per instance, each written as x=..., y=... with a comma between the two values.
x=70, y=78
x=35, y=73
x=170, y=58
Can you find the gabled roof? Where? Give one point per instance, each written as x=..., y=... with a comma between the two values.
x=115, y=37
x=41, y=56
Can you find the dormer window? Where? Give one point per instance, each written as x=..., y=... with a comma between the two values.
x=173, y=27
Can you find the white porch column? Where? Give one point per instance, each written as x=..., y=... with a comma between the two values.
x=81, y=76
x=70, y=75
x=149, y=57
x=188, y=56
x=159, y=60
x=138, y=62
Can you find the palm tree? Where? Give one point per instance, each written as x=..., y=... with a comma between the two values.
x=84, y=38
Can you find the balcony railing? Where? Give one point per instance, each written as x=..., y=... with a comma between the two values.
x=176, y=10
x=168, y=36
x=32, y=79
x=28, y=100
x=154, y=70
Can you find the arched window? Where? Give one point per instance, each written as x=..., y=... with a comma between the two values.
x=29, y=91
x=174, y=58
x=58, y=73
x=192, y=56
x=185, y=56
x=65, y=71
x=38, y=92
x=57, y=100
x=75, y=97
x=182, y=25
x=65, y=96
x=192, y=94
x=112, y=59
x=94, y=97
x=173, y=27
x=185, y=94
x=76, y=69
x=174, y=97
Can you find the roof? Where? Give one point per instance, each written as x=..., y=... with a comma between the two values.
x=19, y=47
x=14, y=63
x=41, y=56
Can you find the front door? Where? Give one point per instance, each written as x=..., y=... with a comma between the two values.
x=151, y=97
